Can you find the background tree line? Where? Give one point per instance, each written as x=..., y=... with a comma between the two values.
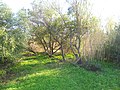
x=76, y=31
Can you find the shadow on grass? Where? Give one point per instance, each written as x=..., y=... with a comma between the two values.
x=29, y=58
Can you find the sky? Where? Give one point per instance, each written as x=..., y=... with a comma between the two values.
x=107, y=8
x=103, y=9
x=16, y=5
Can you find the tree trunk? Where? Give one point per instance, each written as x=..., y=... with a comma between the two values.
x=62, y=52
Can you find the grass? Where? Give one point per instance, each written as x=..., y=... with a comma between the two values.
x=43, y=73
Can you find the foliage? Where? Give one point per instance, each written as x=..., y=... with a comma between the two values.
x=5, y=16
x=12, y=37
x=112, y=49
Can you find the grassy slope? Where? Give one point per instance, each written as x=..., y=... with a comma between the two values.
x=41, y=73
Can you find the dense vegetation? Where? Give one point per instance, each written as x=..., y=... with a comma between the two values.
x=77, y=53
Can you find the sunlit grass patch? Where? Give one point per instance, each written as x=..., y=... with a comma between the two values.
x=52, y=72
x=58, y=57
x=30, y=62
x=49, y=61
x=69, y=55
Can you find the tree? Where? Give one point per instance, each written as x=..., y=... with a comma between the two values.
x=112, y=46
x=47, y=26
x=5, y=16
x=11, y=37
x=80, y=25
x=41, y=20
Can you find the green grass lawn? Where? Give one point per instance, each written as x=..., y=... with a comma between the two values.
x=43, y=73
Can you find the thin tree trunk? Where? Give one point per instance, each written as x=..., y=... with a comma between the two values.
x=62, y=52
